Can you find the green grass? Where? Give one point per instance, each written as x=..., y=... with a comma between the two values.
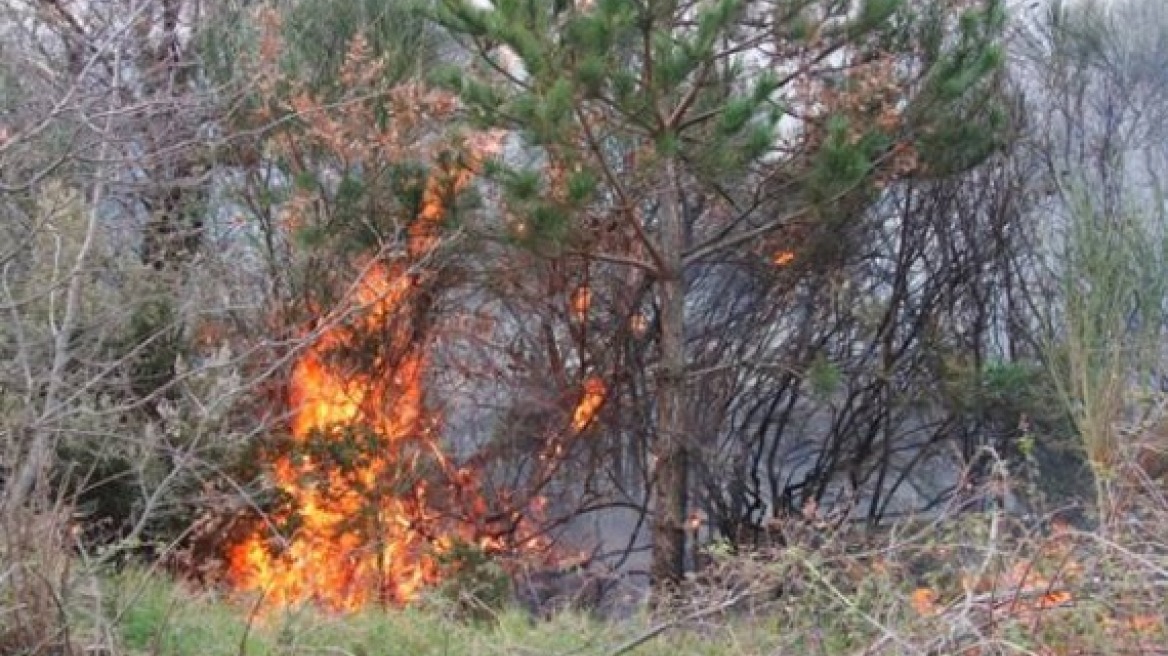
x=153, y=615
x=835, y=601
x=165, y=618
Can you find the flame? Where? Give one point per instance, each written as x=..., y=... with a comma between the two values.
x=639, y=324
x=695, y=521
x=580, y=302
x=1054, y=599
x=924, y=601
x=372, y=500
x=588, y=407
x=783, y=258
x=358, y=538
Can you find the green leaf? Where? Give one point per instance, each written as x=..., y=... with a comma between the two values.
x=712, y=23
x=310, y=236
x=462, y=17
x=558, y=102
x=350, y=190
x=588, y=33
x=759, y=140
x=495, y=168
x=764, y=87
x=523, y=185
x=839, y=165
x=611, y=9
x=306, y=180
x=590, y=72
x=581, y=184
x=481, y=96
x=548, y=223
x=873, y=14
x=524, y=107
x=735, y=115
x=823, y=377
x=668, y=144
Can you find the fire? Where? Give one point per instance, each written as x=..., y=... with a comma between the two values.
x=361, y=514
x=371, y=501
x=783, y=258
x=580, y=302
x=588, y=407
x=924, y=601
x=1019, y=590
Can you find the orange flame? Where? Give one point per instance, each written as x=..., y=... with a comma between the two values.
x=924, y=601
x=364, y=477
x=355, y=438
x=588, y=407
x=580, y=302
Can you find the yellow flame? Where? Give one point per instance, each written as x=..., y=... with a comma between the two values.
x=588, y=407
x=359, y=538
x=580, y=302
x=924, y=601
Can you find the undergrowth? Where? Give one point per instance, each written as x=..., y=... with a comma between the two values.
x=982, y=584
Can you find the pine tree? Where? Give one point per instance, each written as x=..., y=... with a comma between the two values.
x=703, y=127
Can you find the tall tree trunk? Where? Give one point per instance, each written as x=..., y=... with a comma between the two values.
x=670, y=482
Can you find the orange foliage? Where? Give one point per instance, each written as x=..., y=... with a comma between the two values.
x=872, y=94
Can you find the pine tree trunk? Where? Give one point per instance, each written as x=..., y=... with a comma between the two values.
x=670, y=450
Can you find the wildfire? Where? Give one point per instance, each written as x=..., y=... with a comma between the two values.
x=361, y=514
x=370, y=498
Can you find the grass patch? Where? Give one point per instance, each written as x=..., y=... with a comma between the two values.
x=166, y=618
x=967, y=585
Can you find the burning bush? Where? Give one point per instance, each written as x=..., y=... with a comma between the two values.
x=369, y=498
